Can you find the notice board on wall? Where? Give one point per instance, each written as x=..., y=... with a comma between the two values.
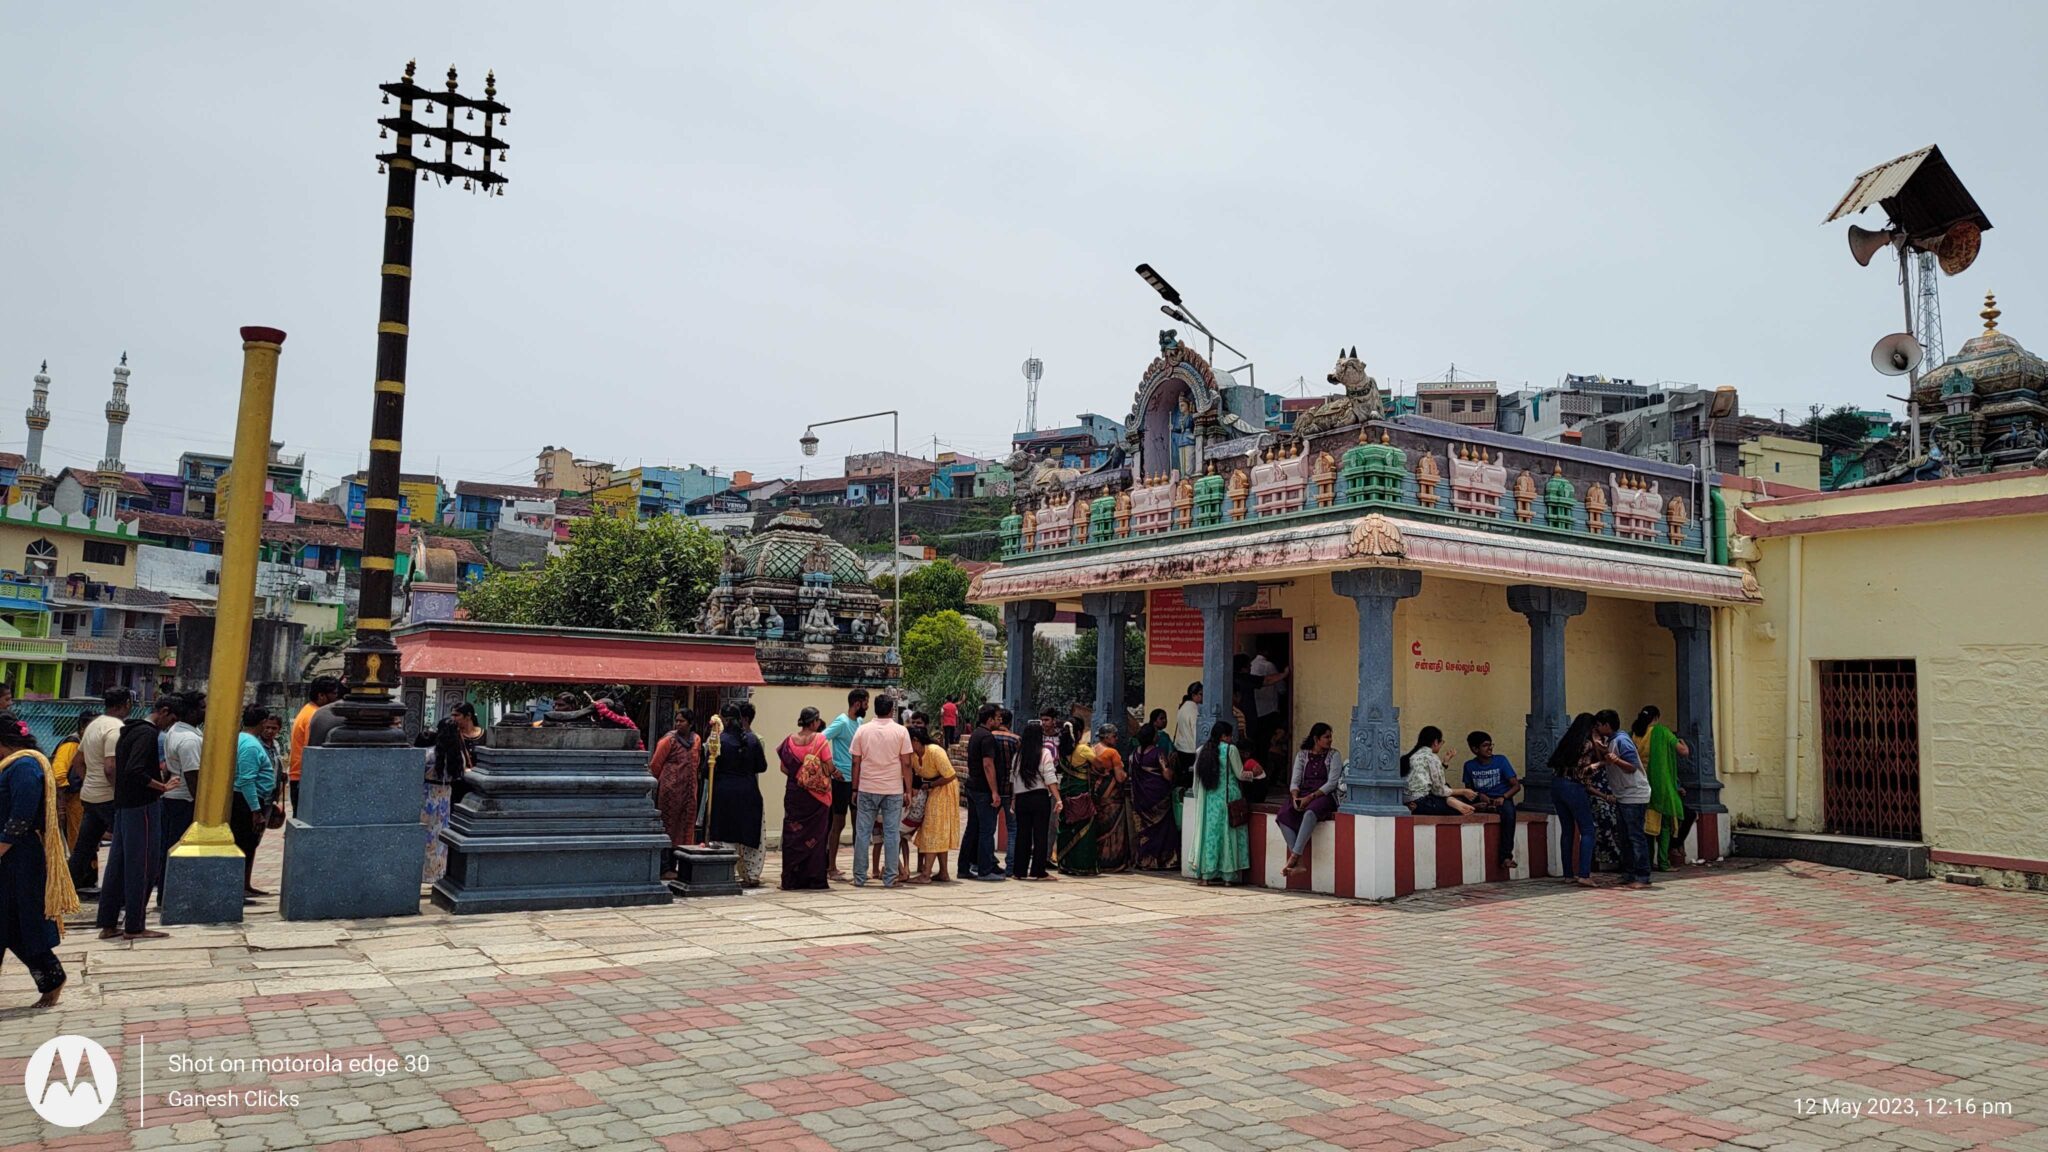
x=1173, y=631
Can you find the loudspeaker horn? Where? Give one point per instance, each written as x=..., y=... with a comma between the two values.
x=1896, y=354
x=1863, y=243
x=1958, y=247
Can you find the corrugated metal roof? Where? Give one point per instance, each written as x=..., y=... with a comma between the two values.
x=1920, y=194
x=1879, y=183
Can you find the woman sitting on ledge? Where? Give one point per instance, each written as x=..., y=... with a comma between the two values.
x=1426, y=794
x=1312, y=796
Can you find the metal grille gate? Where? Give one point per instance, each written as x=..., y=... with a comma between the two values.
x=1870, y=748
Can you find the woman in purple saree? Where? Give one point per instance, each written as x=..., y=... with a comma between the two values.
x=1157, y=832
x=806, y=804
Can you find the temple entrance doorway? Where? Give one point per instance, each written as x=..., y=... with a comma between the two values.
x=1268, y=710
x=1870, y=748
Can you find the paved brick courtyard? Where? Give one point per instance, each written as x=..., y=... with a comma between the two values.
x=1118, y=1013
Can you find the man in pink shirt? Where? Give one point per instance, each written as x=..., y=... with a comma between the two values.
x=881, y=779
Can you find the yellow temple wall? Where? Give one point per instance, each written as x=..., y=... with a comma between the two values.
x=1616, y=657
x=1954, y=597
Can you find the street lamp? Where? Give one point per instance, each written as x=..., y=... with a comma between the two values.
x=809, y=443
x=1177, y=308
x=370, y=665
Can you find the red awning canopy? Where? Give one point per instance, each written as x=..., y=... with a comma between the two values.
x=462, y=650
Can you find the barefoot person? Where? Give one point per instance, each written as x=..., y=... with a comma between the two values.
x=1311, y=795
x=35, y=883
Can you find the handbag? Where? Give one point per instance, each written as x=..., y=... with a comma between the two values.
x=1653, y=822
x=1240, y=808
x=274, y=819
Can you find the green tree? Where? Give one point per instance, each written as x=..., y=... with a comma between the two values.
x=940, y=586
x=942, y=657
x=650, y=577
x=1062, y=677
x=1840, y=431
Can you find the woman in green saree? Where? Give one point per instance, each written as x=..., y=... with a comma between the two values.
x=1223, y=850
x=1661, y=749
x=1078, y=854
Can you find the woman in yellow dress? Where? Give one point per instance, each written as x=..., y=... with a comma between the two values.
x=940, y=831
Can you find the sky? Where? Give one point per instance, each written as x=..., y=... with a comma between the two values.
x=727, y=220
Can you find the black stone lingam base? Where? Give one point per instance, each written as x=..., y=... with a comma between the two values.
x=555, y=818
x=705, y=872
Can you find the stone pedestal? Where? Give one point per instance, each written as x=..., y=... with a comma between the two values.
x=202, y=890
x=354, y=848
x=705, y=872
x=545, y=827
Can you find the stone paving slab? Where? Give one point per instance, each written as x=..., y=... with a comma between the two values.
x=1752, y=1006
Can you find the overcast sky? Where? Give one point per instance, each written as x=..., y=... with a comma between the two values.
x=728, y=219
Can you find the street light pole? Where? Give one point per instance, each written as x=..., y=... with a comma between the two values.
x=809, y=441
x=370, y=665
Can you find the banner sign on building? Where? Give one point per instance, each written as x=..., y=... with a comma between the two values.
x=1173, y=631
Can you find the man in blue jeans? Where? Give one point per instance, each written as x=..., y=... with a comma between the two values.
x=1493, y=777
x=1631, y=788
x=984, y=800
x=881, y=779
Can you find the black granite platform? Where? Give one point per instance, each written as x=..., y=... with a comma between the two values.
x=554, y=827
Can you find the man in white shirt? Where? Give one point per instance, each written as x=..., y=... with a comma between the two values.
x=95, y=764
x=1266, y=698
x=881, y=779
x=181, y=755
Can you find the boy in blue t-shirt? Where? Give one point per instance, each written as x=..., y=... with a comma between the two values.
x=1494, y=779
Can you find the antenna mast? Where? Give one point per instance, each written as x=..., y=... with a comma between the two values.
x=1033, y=369
x=1929, y=327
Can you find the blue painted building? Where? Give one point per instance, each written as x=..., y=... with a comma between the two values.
x=1083, y=445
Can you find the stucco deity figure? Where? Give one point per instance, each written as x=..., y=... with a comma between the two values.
x=1027, y=534
x=1183, y=503
x=860, y=629
x=818, y=625
x=1056, y=521
x=1675, y=519
x=1596, y=508
x=1427, y=477
x=1477, y=483
x=714, y=618
x=1525, y=497
x=1151, y=506
x=1361, y=400
x=882, y=632
x=1324, y=475
x=1123, y=511
x=1637, y=507
x=772, y=626
x=1240, y=490
x=747, y=621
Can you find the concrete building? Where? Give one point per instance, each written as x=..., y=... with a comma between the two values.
x=1084, y=444
x=1675, y=428
x=1473, y=403
x=32, y=658
x=200, y=471
x=1893, y=695
x=644, y=493
x=1779, y=460
x=1549, y=414
x=283, y=591
x=564, y=471
x=481, y=506
x=421, y=497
